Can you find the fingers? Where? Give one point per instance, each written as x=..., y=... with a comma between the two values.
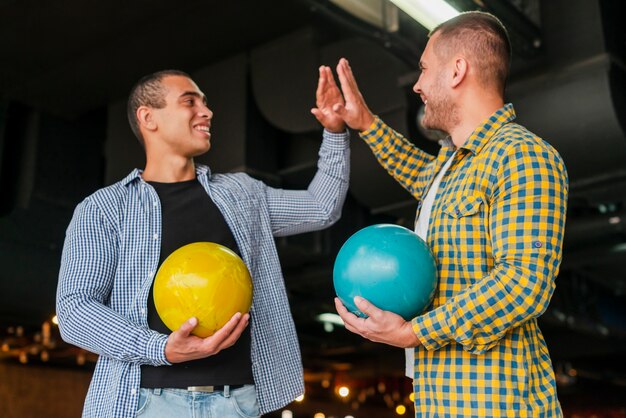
x=346, y=79
x=351, y=78
x=319, y=115
x=321, y=84
x=329, y=78
x=367, y=308
x=187, y=326
x=236, y=333
x=340, y=109
x=352, y=322
x=223, y=333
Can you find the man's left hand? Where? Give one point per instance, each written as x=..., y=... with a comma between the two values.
x=327, y=96
x=380, y=326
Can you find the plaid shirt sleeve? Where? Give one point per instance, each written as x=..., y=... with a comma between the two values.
x=403, y=160
x=526, y=221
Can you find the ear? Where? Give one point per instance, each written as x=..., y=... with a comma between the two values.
x=459, y=71
x=145, y=118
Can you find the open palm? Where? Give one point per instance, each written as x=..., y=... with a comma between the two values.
x=326, y=97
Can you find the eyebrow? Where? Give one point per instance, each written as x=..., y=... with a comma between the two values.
x=194, y=94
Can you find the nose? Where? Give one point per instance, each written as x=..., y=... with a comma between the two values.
x=417, y=87
x=205, y=112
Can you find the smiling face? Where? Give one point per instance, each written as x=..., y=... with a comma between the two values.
x=439, y=109
x=183, y=125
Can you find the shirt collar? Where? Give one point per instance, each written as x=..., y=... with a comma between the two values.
x=135, y=175
x=481, y=135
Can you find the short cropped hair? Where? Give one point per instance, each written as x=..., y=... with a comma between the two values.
x=148, y=91
x=483, y=37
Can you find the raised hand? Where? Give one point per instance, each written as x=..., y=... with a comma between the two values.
x=354, y=111
x=380, y=326
x=326, y=96
x=182, y=346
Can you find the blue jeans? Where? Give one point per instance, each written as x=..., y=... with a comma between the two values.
x=180, y=403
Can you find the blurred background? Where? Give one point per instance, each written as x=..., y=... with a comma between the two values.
x=65, y=71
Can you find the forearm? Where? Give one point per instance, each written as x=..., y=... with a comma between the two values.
x=297, y=211
x=403, y=161
x=483, y=313
x=90, y=325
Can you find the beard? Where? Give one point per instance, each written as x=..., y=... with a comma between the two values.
x=440, y=113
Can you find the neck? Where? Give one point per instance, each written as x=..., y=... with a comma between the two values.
x=474, y=107
x=169, y=169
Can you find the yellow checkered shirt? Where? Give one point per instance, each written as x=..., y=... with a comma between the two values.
x=496, y=231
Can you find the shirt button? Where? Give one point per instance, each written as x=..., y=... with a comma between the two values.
x=143, y=311
x=538, y=244
x=150, y=274
x=133, y=391
x=154, y=204
x=156, y=236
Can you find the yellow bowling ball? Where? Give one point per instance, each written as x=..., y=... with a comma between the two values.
x=204, y=280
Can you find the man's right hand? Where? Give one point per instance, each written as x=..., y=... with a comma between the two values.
x=354, y=112
x=182, y=346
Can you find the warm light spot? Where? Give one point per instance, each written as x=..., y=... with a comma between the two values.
x=286, y=414
x=319, y=415
x=412, y=396
x=400, y=409
x=300, y=398
x=344, y=391
x=55, y=320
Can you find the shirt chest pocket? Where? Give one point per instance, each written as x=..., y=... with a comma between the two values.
x=464, y=219
x=462, y=207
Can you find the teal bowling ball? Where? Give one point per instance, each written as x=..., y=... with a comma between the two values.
x=390, y=266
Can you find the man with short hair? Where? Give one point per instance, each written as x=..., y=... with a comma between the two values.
x=120, y=235
x=492, y=209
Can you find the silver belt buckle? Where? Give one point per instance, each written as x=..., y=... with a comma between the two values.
x=207, y=389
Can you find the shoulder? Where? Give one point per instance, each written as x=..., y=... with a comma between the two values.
x=105, y=203
x=522, y=155
x=514, y=140
x=238, y=182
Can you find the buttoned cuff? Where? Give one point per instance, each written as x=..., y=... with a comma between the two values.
x=432, y=329
x=373, y=133
x=155, y=349
x=336, y=141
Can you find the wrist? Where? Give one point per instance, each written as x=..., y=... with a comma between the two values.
x=410, y=339
x=367, y=122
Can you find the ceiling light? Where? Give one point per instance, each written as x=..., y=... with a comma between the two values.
x=429, y=13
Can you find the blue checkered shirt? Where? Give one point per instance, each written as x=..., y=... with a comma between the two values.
x=111, y=255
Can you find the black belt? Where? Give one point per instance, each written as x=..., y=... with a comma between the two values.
x=209, y=389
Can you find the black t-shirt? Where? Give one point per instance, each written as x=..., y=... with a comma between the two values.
x=189, y=215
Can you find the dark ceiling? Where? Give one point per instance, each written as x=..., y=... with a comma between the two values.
x=66, y=67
